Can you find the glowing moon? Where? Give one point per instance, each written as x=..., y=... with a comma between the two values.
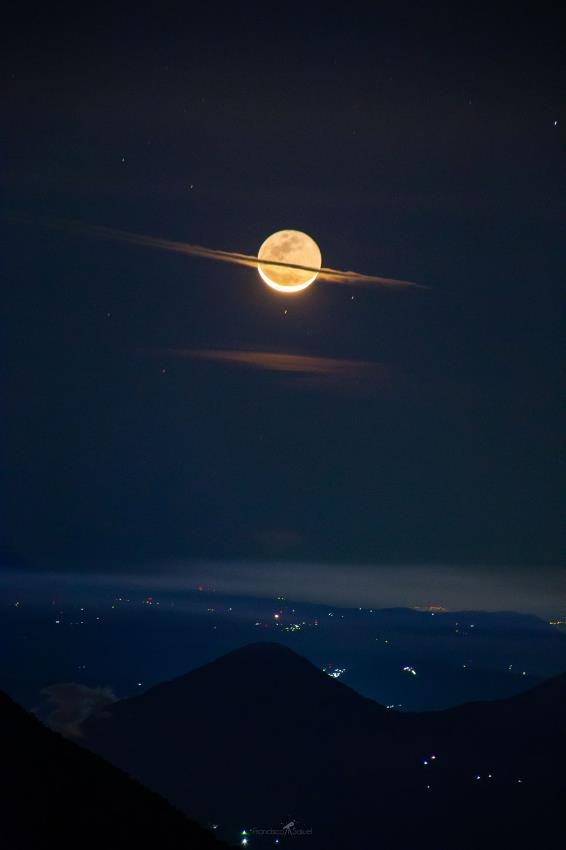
x=289, y=246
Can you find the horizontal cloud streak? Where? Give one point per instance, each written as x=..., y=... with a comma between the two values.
x=233, y=257
x=275, y=362
x=322, y=372
x=454, y=586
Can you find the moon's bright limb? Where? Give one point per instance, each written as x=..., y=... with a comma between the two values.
x=289, y=246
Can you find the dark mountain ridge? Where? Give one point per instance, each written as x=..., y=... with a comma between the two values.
x=261, y=735
x=57, y=794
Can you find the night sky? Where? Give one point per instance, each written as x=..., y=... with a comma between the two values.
x=162, y=408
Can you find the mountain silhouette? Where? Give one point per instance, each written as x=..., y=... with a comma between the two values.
x=261, y=737
x=56, y=794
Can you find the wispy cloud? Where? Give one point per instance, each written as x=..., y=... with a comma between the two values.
x=345, y=375
x=234, y=257
x=458, y=587
x=74, y=703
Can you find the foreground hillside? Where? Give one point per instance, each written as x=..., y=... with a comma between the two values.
x=58, y=795
x=261, y=737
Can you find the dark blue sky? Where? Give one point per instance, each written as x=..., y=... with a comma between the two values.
x=406, y=146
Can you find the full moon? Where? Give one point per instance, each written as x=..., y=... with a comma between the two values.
x=289, y=246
